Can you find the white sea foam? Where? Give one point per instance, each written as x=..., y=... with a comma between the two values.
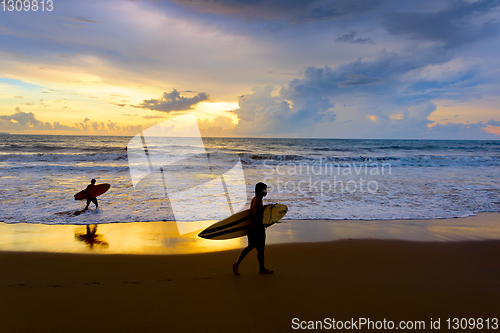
x=422, y=179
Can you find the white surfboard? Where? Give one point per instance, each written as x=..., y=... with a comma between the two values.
x=237, y=224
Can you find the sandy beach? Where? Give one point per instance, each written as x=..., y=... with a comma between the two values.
x=375, y=279
x=344, y=280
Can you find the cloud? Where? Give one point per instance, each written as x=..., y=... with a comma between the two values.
x=259, y=112
x=27, y=122
x=457, y=25
x=219, y=126
x=473, y=131
x=292, y=10
x=493, y=123
x=288, y=113
x=363, y=98
x=82, y=19
x=172, y=101
x=398, y=81
x=357, y=80
x=154, y=116
x=350, y=38
x=411, y=127
x=20, y=121
x=106, y=128
x=421, y=111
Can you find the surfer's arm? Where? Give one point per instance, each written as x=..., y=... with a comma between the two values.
x=252, y=211
x=86, y=191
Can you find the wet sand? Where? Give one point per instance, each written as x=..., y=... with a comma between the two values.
x=355, y=278
x=164, y=238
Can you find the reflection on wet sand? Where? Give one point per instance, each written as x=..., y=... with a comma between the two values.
x=164, y=237
x=91, y=238
x=133, y=238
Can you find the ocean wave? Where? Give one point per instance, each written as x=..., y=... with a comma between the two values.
x=424, y=160
x=286, y=157
x=427, y=160
x=61, y=157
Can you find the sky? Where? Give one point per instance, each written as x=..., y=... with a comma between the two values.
x=367, y=69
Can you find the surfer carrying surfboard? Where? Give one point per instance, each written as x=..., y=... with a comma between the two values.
x=89, y=197
x=90, y=193
x=256, y=231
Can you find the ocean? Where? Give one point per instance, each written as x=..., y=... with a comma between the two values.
x=316, y=178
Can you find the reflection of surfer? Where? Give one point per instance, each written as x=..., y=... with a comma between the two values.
x=256, y=230
x=91, y=238
x=89, y=198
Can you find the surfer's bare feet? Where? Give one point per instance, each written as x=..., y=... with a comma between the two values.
x=235, y=269
x=266, y=271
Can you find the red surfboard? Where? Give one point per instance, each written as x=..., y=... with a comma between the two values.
x=94, y=191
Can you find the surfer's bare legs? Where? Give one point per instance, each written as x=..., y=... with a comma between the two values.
x=94, y=200
x=260, y=258
x=243, y=254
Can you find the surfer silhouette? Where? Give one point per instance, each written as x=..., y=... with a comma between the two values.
x=256, y=231
x=89, y=197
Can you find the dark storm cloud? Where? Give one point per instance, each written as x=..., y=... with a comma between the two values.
x=172, y=101
x=293, y=10
x=457, y=25
x=350, y=38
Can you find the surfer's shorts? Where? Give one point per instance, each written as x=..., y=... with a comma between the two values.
x=257, y=238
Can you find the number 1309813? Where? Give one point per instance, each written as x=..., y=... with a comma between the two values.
x=26, y=5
